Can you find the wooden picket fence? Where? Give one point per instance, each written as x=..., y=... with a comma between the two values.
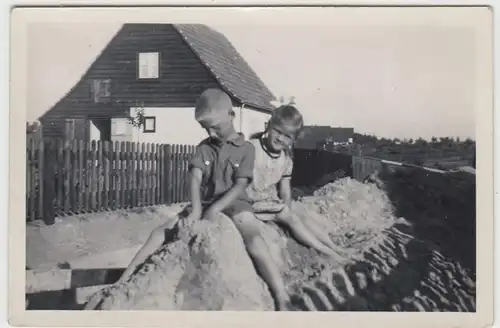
x=65, y=178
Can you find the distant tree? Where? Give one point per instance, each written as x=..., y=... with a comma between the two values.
x=32, y=127
x=421, y=142
x=434, y=140
x=468, y=142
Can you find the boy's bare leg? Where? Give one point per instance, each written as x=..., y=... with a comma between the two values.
x=154, y=241
x=248, y=226
x=304, y=235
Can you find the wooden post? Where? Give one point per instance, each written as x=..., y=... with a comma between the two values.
x=100, y=175
x=81, y=176
x=133, y=173
x=40, y=182
x=176, y=175
x=105, y=201
x=157, y=162
x=123, y=175
x=74, y=177
x=129, y=170
x=67, y=177
x=49, y=182
x=166, y=181
x=94, y=180
x=59, y=166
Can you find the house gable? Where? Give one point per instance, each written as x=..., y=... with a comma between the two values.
x=185, y=71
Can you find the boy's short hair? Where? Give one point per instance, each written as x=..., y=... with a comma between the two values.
x=213, y=102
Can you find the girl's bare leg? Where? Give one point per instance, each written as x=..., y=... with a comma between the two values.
x=304, y=235
x=320, y=234
x=248, y=226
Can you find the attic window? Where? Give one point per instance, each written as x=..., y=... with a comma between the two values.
x=100, y=90
x=148, y=65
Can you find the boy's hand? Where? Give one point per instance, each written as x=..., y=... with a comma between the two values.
x=194, y=216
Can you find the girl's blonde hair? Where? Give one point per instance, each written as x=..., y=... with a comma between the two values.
x=284, y=115
x=287, y=115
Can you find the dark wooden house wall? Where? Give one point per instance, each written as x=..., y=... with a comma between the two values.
x=182, y=78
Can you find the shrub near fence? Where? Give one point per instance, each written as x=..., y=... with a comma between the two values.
x=64, y=178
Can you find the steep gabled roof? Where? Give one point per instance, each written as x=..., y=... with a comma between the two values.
x=225, y=63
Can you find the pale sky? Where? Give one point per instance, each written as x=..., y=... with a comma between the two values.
x=404, y=81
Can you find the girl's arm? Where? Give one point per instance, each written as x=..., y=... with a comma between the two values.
x=285, y=190
x=284, y=186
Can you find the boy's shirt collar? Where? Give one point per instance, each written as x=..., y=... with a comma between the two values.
x=238, y=140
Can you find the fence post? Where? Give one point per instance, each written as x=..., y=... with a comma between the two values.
x=166, y=181
x=106, y=162
x=74, y=176
x=49, y=183
x=41, y=178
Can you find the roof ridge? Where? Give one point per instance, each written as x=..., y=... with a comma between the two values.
x=261, y=94
x=184, y=39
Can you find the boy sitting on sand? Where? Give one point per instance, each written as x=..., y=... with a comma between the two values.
x=220, y=171
x=270, y=190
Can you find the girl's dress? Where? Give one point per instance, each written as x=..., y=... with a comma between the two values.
x=269, y=169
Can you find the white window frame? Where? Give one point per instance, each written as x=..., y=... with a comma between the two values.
x=149, y=120
x=148, y=65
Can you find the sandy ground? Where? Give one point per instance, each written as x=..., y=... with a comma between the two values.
x=80, y=236
x=358, y=210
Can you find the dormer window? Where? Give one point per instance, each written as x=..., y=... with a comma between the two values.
x=148, y=65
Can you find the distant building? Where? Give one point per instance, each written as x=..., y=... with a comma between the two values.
x=316, y=136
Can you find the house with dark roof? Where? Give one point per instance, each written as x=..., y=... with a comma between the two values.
x=161, y=69
x=316, y=136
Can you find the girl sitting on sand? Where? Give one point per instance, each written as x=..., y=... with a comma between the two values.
x=270, y=191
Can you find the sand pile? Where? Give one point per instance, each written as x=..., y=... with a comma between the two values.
x=352, y=213
x=207, y=267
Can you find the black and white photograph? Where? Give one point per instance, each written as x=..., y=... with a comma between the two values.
x=257, y=163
